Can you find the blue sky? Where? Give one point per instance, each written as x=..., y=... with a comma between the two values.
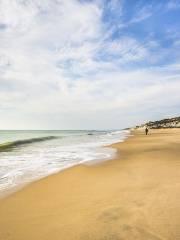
x=69, y=64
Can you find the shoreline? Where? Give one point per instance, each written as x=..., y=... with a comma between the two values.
x=8, y=192
x=130, y=197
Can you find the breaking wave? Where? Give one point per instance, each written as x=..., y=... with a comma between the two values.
x=6, y=145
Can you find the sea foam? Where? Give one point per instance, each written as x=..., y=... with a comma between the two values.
x=30, y=155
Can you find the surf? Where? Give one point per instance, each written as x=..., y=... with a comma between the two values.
x=7, y=145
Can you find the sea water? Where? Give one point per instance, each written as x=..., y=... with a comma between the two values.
x=29, y=155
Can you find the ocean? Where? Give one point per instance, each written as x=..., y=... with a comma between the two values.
x=26, y=156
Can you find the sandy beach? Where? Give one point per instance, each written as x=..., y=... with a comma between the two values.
x=135, y=196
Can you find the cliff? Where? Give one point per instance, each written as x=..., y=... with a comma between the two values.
x=164, y=123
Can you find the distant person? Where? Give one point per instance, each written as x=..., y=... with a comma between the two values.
x=146, y=130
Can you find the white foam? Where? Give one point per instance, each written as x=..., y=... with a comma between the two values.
x=34, y=161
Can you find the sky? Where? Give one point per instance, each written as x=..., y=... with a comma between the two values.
x=88, y=64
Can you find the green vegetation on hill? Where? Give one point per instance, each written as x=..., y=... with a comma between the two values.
x=164, y=123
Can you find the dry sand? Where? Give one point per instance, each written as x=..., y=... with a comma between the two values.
x=135, y=196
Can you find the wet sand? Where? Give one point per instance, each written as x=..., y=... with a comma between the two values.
x=135, y=196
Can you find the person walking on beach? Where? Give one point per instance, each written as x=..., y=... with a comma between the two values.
x=146, y=130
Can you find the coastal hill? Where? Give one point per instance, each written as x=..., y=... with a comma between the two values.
x=164, y=123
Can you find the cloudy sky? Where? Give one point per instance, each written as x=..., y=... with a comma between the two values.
x=88, y=64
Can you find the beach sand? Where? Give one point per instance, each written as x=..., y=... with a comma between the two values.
x=135, y=196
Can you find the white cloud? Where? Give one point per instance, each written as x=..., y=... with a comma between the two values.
x=128, y=49
x=142, y=14
x=59, y=68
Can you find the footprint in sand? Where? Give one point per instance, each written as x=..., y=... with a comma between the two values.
x=114, y=214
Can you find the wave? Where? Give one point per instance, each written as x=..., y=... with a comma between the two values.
x=6, y=145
